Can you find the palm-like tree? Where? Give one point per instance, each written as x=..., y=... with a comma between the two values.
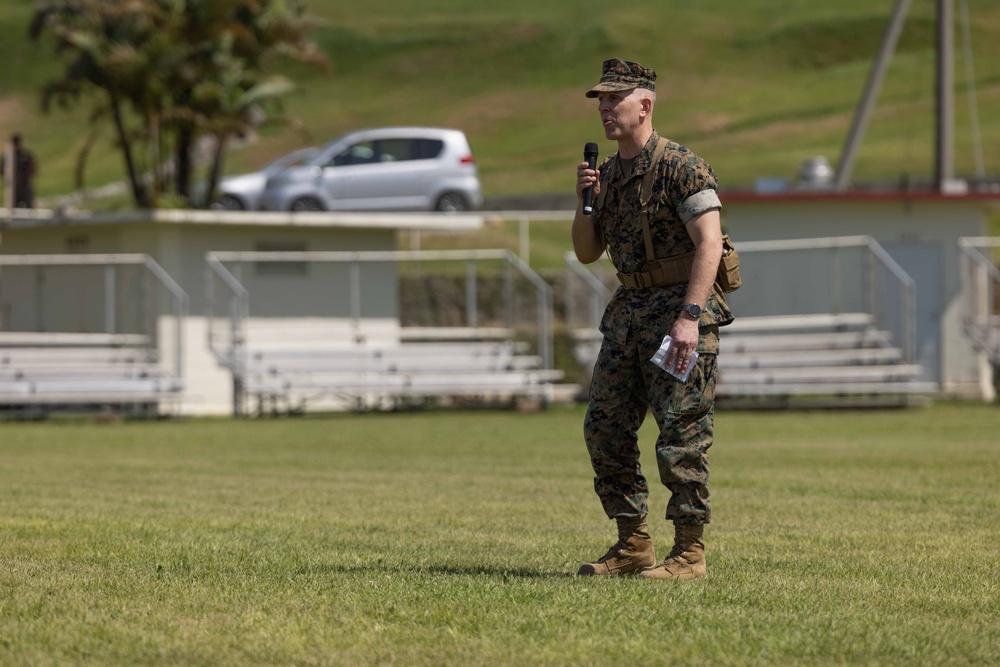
x=172, y=68
x=221, y=86
x=93, y=36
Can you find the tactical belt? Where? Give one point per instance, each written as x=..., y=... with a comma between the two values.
x=660, y=273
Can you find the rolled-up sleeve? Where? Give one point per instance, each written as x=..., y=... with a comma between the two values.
x=698, y=203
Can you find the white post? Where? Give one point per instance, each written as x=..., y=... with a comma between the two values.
x=109, y=298
x=525, y=241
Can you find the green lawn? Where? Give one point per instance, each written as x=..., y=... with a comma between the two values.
x=452, y=538
x=753, y=90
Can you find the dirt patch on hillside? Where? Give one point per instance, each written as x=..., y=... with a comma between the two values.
x=12, y=112
x=525, y=105
x=486, y=110
x=708, y=123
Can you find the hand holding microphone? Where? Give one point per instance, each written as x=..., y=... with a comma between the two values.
x=590, y=157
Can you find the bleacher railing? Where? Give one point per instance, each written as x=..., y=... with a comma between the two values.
x=110, y=295
x=228, y=300
x=834, y=275
x=981, y=293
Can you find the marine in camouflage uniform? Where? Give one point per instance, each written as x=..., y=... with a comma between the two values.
x=625, y=382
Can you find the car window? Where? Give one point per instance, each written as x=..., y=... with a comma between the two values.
x=393, y=150
x=360, y=153
x=427, y=149
x=388, y=150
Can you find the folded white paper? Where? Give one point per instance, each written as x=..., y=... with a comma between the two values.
x=660, y=359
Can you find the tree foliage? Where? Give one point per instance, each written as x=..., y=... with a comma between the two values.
x=165, y=73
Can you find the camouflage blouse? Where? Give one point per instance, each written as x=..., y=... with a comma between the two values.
x=684, y=188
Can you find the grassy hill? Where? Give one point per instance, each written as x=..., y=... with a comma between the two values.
x=754, y=91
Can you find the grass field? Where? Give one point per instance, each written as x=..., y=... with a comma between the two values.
x=861, y=538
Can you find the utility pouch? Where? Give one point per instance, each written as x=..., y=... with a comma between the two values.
x=728, y=279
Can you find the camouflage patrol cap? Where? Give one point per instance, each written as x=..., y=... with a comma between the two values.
x=619, y=74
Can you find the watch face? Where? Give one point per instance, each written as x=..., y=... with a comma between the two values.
x=693, y=309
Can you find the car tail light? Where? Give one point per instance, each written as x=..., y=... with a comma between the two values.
x=467, y=159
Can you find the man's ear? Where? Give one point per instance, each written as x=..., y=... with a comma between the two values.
x=646, y=105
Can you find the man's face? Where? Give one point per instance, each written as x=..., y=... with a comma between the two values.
x=620, y=112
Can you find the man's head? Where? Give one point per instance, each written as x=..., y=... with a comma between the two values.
x=626, y=94
x=16, y=139
x=622, y=75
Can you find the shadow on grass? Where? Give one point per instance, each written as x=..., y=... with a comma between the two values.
x=450, y=570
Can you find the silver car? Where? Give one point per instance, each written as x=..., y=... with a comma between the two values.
x=242, y=193
x=392, y=168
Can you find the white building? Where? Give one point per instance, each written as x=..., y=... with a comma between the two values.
x=283, y=294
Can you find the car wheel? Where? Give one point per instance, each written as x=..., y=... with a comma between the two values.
x=452, y=202
x=307, y=204
x=228, y=203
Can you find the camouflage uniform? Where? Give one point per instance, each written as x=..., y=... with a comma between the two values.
x=625, y=383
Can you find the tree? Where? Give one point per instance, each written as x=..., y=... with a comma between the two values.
x=180, y=69
x=93, y=37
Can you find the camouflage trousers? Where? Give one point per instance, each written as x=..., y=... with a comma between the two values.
x=625, y=385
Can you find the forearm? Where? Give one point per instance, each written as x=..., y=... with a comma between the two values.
x=706, y=232
x=703, y=271
x=587, y=242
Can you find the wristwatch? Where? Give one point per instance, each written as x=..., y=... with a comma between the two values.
x=693, y=309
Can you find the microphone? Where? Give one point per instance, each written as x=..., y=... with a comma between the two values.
x=590, y=155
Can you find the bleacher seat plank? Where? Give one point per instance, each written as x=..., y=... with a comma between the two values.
x=735, y=344
x=793, y=358
x=832, y=389
x=411, y=334
x=820, y=321
x=821, y=374
x=61, y=339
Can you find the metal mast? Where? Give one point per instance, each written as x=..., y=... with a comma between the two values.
x=944, y=165
x=944, y=162
x=862, y=114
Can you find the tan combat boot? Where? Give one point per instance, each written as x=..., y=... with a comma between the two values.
x=686, y=559
x=632, y=553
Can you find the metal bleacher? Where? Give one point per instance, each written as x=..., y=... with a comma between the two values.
x=820, y=360
x=347, y=363
x=839, y=358
x=823, y=360
x=86, y=372
x=366, y=377
x=56, y=371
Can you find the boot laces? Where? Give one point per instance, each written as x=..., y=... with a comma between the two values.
x=679, y=549
x=623, y=536
x=615, y=549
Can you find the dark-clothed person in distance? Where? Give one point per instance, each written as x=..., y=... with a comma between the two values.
x=25, y=168
x=654, y=200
